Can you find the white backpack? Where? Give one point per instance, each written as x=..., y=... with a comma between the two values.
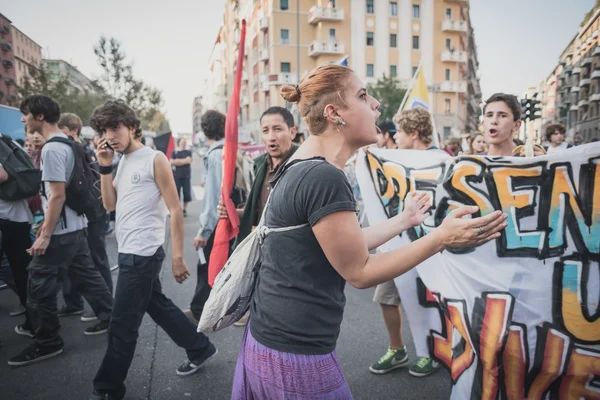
x=233, y=288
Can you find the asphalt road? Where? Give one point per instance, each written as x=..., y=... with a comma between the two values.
x=152, y=375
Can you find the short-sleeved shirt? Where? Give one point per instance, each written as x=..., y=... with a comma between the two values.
x=184, y=171
x=57, y=163
x=299, y=300
x=15, y=211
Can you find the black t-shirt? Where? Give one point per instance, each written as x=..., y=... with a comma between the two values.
x=185, y=171
x=299, y=300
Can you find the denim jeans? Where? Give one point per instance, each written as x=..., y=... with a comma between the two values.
x=68, y=252
x=97, y=244
x=139, y=291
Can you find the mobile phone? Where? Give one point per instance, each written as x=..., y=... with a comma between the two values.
x=109, y=147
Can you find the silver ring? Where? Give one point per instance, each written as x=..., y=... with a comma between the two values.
x=480, y=230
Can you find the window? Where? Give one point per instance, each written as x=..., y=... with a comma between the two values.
x=370, y=70
x=447, y=74
x=370, y=38
x=370, y=8
x=393, y=40
x=284, y=36
x=284, y=4
x=332, y=34
x=448, y=44
x=447, y=108
x=394, y=9
x=415, y=43
x=448, y=13
x=446, y=131
x=285, y=67
x=414, y=71
x=393, y=71
x=416, y=11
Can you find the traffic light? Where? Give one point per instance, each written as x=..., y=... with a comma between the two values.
x=531, y=108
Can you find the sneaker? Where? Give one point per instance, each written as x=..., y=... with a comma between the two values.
x=105, y=396
x=66, y=311
x=114, y=267
x=424, y=366
x=23, y=331
x=97, y=329
x=184, y=213
x=19, y=310
x=190, y=367
x=3, y=286
x=242, y=321
x=89, y=317
x=34, y=353
x=390, y=361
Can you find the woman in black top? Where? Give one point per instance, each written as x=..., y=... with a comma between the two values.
x=288, y=349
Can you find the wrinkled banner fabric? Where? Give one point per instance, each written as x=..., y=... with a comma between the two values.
x=518, y=317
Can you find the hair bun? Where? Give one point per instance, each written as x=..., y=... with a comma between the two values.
x=290, y=93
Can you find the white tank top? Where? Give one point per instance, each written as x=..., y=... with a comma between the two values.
x=141, y=211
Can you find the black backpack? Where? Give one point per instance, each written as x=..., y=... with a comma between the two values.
x=23, y=177
x=83, y=193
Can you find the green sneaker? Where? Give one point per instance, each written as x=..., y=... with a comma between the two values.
x=424, y=366
x=390, y=361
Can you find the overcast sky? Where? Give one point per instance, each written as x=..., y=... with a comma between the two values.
x=519, y=41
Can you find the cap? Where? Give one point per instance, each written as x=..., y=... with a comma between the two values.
x=388, y=127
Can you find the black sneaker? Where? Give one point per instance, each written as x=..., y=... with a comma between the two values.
x=23, y=330
x=97, y=329
x=68, y=311
x=34, y=353
x=192, y=366
x=89, y=317
x=106, y=396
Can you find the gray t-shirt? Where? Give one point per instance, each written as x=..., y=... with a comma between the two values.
x=57, y=163
x=299, y=301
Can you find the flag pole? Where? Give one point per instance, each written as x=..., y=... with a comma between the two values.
x=412, y=84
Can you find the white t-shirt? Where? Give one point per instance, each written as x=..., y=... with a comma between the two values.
x=57, y=163
x=15, y=211
x=561, y=147
x=141, y=212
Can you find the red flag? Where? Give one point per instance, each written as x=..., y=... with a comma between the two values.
x=227, y=229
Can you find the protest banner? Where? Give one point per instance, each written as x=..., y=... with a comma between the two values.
x=517, y=317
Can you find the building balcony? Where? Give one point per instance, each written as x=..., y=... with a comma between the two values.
x=454, y=56
x=320, y=47
x=585, y=82
x=244, y=101
x=264, y=54
x=586, y=61
x=575, y=89
x=568, y=69
x=574, y=108
x=596, y=74
x=576, y=71
x=7, y=64
x=317, y=14
x=244, y=76
x=595, y=98
x=264, y=86
x=264, y=23
x=583, y=103
x=284, y=78
x=6, y=47
x=596, y=52
x=463, y=2
x=453, y=87
x=453, y=25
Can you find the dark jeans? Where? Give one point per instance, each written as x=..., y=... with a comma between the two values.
x=139, y=291
x=97, y=245
x=202, y=287
x=66, y=252
x=16, y=240
x=186, y=185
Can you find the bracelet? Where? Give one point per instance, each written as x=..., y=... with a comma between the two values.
x=105, y=170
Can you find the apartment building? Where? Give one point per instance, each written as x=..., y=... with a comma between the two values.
x=27, y=53
x=378, y=36
x=197, y=110
x=58, y=69
x=572, y=94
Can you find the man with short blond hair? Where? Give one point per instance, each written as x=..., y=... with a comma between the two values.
x=72, y=123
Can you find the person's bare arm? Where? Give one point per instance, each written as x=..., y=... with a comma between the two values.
x=107, y=186
x=3, y=175
x=163, y=177
x=345, y=246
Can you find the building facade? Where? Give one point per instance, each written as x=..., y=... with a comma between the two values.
x=378, y=37
x=576, y=83
x=27, y=53
x=8, y=77
x=197, y=111
x=60, y=68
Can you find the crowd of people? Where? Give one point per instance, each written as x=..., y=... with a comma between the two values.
x=56, y=240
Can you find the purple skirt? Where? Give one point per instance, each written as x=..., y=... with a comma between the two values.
x=262, y=373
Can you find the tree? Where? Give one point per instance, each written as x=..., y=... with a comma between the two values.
x=118, y=82
x=387, y=90
x=71, y=99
